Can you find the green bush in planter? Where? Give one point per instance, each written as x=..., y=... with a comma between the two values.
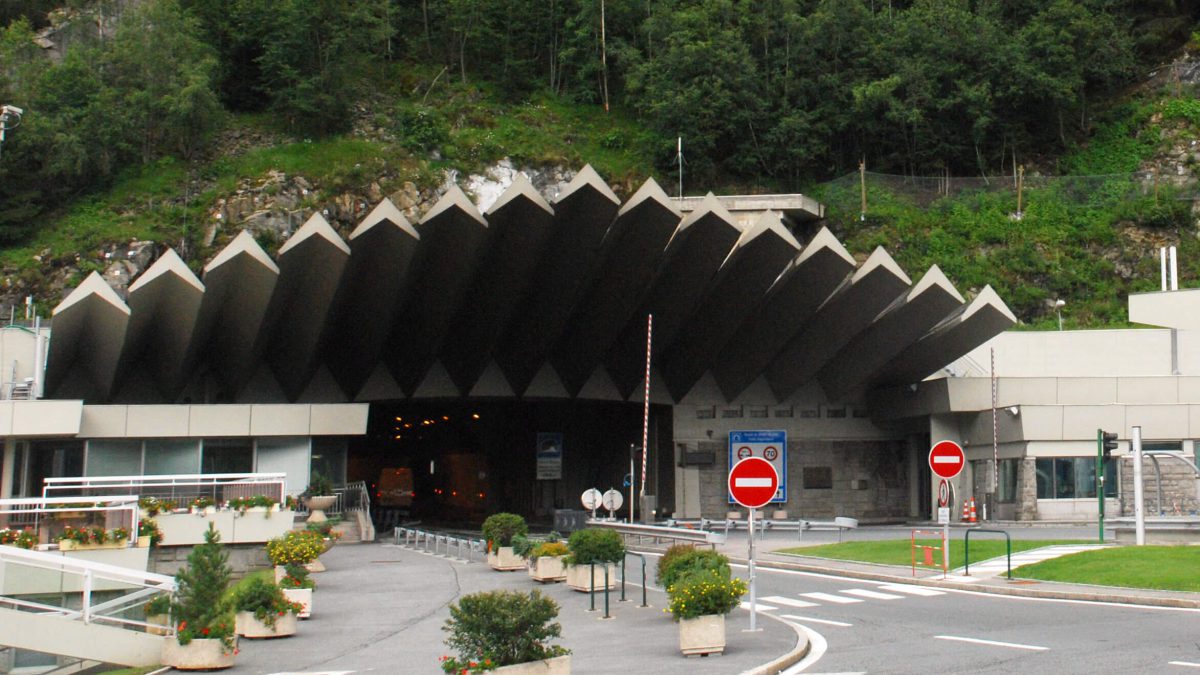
x=692, y=562
x=503, y=628
x=669, y=556
x=265, y=600
x=500, y=528
x=703, y=593
x=595, y=546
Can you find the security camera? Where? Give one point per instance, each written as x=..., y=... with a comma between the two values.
x=11, y=110
x=1014, y=410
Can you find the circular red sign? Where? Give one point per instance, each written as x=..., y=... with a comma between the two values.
x=946, y=459
x=753, y=482
x=744, y=452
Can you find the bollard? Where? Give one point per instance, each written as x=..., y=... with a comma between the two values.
x=623, y=579
x=606, y=584
x=644, y=604
x=592, y=583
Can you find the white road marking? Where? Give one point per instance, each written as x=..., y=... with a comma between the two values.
x=872, y=595
x=829, y=597
x=816, y=649
x=759, y=606
x=1185, y=664
x=912, y=590
x=793, y=617
x=993, y=643
x=790, y=602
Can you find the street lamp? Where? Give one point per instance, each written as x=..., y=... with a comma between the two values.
x=1058, y=305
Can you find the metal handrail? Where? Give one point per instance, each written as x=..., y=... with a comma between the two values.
x=967, y=549
x=272, y=485
x=660, y=532
x=417, y=539
x=38, y=507
x=643, y=559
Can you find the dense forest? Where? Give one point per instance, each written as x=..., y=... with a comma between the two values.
x=772, y=93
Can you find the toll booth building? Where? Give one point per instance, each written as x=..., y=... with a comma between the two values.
x=496, y=359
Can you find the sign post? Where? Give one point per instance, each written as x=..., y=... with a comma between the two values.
x=946, y=459
x=753, y=483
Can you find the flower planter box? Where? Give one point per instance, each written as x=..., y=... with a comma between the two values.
x=304, y=596
x=72, y=545
x=579, y=577
x=159, y=624
x=547, y=569
x=559, y=665
x=187, y=529
x=143, y=541
x=504, y=560
x=702, y=635
x=197, y=655
x=315, y=566
x=248, y=626
x=317, y=506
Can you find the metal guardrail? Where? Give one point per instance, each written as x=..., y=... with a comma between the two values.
x=350, y=497
x=142, y=585
x=438, y=543
x=660, y=532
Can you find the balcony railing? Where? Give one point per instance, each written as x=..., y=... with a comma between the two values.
x=179, y=488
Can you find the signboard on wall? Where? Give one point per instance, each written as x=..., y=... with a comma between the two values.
x=768, y=445
x=549, y=455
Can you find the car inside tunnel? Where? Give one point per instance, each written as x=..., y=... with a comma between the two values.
x=455, y=461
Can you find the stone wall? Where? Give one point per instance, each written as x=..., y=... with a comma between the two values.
x=1179, y=495
x=1027, y=508
x=243, y=558
x=869, y=481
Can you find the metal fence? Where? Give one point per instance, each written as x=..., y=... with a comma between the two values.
x=179, y=488
x=439, y=543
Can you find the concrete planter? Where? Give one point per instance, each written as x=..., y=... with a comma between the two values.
x=317, y=506
x=504, y=560
x=702, y=635
x=187, y=529
x=559, y=665
x=196, y=655
x=248, y=626
x=547, y=569
x=304, y=596
x=143, y=541
x=72, y=545
x=159, y=624
x=315, y=566
x=579, y=577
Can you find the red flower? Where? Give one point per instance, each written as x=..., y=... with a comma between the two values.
x=182, y=625
x=204, y=631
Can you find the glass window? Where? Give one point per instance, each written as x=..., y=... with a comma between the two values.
x=1110, y=478
x=172, y=456
x=1064, y=479
x=285, y=455
x=54, y=459
x=1073, y=478
x=329, y=458
x=1045, y=478
x=1007, y=489
x=227, y=455
x=114, y=458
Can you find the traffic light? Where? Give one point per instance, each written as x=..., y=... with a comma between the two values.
x=1109, y=443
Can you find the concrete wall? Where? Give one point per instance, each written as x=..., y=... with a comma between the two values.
x=215, y=421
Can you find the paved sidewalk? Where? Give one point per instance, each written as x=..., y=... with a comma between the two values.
x=998, y=566
x=380, y=608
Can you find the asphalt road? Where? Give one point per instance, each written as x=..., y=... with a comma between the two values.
x=871, y=627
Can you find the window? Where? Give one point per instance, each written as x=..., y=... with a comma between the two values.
x=114, y=458
x=835, y=413
x=1073, y=478
x=706, y=413
x=1006, y=491
x=757, y=410
x=227, y=455
x=785, y=411
x=172, y=456
x=818, y=478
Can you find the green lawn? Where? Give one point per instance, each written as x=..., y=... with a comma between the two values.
x=899, y=551
x=1171, y=568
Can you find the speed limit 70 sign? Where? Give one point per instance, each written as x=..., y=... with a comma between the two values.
x=769, y=445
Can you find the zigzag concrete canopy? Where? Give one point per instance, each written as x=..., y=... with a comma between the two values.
x=531, y=299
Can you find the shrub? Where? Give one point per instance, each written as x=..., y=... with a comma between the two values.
x=522, y=545
x=500, y=528
x=595, y=546
x=503, y=627
x=149, y=528
x=420, y=129
x=265, y=600
x=243, y=503
x=298, y=547
x=200, y=605
x=549, y=549
x=161, y=604
x=669, y=556
x=297, y=576
x=705, y=593
x=319, y=486
x=689, y=563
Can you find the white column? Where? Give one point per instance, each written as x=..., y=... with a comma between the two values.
x=1139, y=512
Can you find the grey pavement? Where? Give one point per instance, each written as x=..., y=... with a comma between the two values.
x=380, y=608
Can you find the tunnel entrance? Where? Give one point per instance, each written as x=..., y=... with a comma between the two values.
x=454, y=462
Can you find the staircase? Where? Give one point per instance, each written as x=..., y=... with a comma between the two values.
x=91, y=631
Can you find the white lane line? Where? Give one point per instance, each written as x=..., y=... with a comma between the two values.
x=872, y=595
x=993, y=643
x=912, y=590
x=1185, y=664
x=816, y=649
x=829, y=597
x=790, y=602
x=793, y=617
x=758, y=606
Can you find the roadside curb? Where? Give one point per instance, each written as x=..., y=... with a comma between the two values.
x=787, y=660
x=1112, y=596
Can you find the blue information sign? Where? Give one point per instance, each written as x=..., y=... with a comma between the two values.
x=770, y=445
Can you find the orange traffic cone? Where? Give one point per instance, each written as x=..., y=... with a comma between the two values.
x=972, y=518
x=966, y=516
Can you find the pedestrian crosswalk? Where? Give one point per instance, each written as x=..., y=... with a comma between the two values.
x=882, y=592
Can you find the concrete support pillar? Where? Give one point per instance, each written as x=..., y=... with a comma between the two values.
x=8, y=468
x=915, y=459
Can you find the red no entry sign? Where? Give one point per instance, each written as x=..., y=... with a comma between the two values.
x=753, y=482
x=946, y=459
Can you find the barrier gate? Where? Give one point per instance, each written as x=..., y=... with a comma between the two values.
x=930, y=556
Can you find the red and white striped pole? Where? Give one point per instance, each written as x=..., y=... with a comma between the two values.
x=646, y=405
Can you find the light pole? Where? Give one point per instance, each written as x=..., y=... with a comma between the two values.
x=1058, y=305
x=9, y=113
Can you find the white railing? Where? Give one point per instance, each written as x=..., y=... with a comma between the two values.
x=37, y=513
x=219, y=487
x=134, y=588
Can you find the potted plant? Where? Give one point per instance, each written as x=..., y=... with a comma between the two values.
x=149, y=533
x=158, y=615
x=263, y=611
x=204, y=637
x=546, y=559
x=681, y=561
x=591, y=552
x=203, y=505
x=297, y=547
x=20, y=538
x=298, y=587
x=505, y=632
x=699, y=602
x=318, y=497
x=499, y=530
